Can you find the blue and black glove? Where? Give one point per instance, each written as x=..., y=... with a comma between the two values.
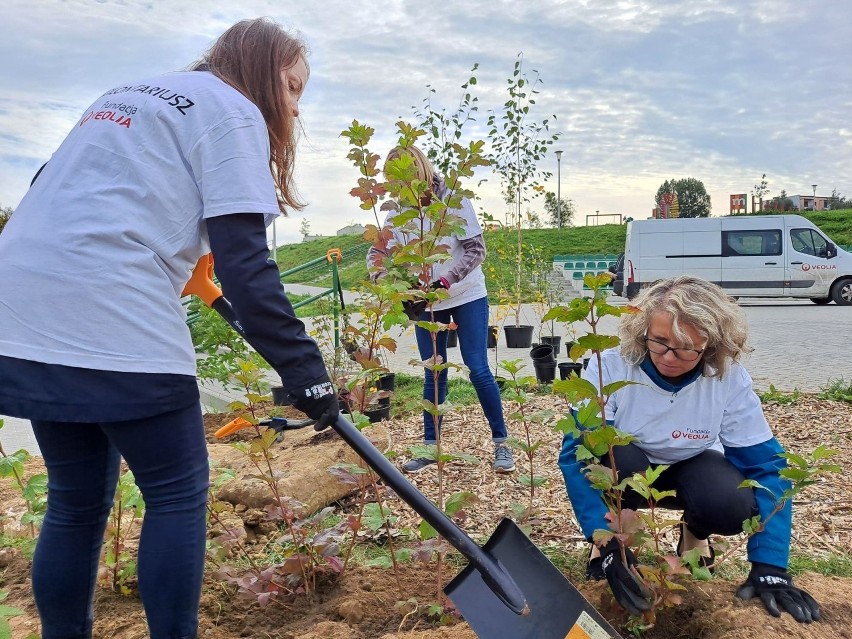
x=627, y=589
x=775, y=587
x=318, y=401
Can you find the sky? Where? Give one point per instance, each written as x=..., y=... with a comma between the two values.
x=642, y=91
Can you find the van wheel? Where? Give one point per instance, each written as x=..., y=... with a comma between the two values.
x=841, y=292
x=820, y=300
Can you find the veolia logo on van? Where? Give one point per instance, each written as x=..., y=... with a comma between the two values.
x=819, y=267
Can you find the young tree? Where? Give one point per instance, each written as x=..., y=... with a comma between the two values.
x=552, y=212
x=5, y=214
x=781, y=203
x=518, y=144
x=837, y=201
x=305, y=227
x=761, y=190
x=692, y=197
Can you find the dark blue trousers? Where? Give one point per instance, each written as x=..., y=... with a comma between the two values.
x=167, y=454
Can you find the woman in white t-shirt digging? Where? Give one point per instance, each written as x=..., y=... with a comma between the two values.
x=691, y=407
x=95, y=350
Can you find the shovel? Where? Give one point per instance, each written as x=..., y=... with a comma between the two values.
x=509, y=589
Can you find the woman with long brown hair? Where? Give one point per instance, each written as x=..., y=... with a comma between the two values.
x=95, y=350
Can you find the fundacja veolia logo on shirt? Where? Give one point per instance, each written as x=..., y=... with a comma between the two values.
x=690, y=433
x=111, y=116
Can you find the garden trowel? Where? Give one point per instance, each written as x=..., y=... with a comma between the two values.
x=509, y=590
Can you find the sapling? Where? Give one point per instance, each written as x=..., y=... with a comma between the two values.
x=33, y=490
x=518, y=388
x=6, y=613
x=518, y=144
x=422, y=219
x=119, y=564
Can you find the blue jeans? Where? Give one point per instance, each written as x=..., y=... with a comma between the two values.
x=472, y=332
x=168, y=456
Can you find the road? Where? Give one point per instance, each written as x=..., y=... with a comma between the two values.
x=797, y=345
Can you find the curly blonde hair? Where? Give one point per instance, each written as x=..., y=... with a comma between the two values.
x=694, y=302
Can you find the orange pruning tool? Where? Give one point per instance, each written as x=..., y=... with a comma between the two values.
x=278, y=424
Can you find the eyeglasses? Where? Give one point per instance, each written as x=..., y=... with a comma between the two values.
x=685, y=354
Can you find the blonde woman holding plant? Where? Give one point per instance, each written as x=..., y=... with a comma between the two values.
x=466, y=304
x=691, y=406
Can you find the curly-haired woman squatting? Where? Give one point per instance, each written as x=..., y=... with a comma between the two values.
x=466, y=305
x=691, y=407
x=95, y=350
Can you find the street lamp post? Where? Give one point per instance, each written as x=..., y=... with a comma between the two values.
x=559, y=189
x=814, y=206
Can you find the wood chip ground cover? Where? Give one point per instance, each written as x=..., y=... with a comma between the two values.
x=364, y=603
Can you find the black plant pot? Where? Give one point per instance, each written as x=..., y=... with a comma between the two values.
x=568, y=346
x=555, y=341
x=542, y=353
x=386, y=382
x=586, y=362
x=545, y=372
x=565, y=369
x=279, y=396
x=492, y=337
x=378, y=414
x=518, y=336
x=452, y=338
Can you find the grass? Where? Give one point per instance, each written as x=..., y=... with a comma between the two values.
x=837, y=389
x=501, y=246
x=833, y=565
x=408, y=393
x=774, y=396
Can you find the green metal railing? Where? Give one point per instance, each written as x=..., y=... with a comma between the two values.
x=331, y=259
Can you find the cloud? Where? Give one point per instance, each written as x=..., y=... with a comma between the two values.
x=642, y=90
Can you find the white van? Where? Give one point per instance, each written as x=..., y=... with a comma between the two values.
x=748, y=256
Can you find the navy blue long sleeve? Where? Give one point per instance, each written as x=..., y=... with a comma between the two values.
x=251, y=282
x=762, y=464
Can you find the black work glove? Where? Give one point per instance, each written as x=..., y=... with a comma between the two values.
x=774, y=586
x=318, y=401
x=628, y=591
x=414, y=308
x=441, y=283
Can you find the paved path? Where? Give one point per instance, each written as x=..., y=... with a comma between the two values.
x=797, y=345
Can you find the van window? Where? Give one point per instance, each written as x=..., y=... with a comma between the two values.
x=809, y=242
x=752, y=242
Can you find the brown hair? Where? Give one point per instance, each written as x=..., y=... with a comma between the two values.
x=698, y=303
x=250, y=56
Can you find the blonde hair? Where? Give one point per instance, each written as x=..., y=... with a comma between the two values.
x=425, y=170
x=250, y=56
x=694, y=302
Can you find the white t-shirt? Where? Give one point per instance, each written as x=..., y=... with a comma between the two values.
x=472, y=287
x=95, y=258
x=671, y=427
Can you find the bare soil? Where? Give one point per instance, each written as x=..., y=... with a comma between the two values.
x=365, y=602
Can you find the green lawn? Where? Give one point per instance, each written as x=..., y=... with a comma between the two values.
x=501, y=244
